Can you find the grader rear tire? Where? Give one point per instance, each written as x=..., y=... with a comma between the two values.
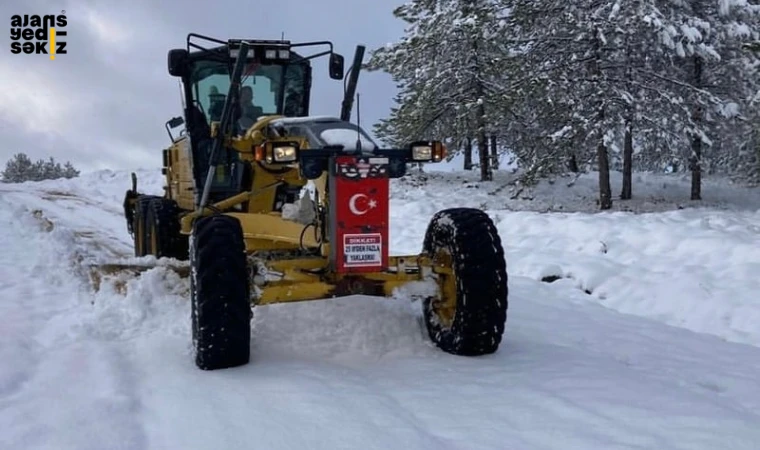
x=468, y=315
x=163, y=238
x=220, y=300
x=140, y=224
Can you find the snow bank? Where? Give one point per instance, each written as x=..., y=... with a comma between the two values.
x=651, y=192
x=693, y=269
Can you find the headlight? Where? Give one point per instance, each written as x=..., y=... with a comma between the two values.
x=235, y=52
x=284, y=54
x=270, y=54
x=422, y=153
x=285, y=153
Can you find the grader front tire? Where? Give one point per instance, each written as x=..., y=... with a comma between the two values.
x=220, y=301
x=468, y=315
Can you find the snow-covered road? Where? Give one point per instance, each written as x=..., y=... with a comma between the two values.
x=663, y=354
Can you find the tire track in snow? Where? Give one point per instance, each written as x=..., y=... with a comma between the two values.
x=55, y=366
x=100, y=227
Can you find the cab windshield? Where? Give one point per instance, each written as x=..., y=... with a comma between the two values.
x=265, y=90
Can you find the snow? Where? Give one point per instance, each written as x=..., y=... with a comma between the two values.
x=304, y=119
x=692, y=34
x=663, y=352
x=333, y=136
x=301, y=211
x=347, y=138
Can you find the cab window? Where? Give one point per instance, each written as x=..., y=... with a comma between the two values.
x=211, y=82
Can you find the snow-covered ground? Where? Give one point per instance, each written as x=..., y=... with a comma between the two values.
x=646, y=339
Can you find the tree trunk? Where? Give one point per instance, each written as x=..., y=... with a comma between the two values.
x=696, y=168
x=486, y=174
x=494, y=153
x=627, y=193
x=696, y=141
x=605, y=190
x=468, y=154
x=572, y=164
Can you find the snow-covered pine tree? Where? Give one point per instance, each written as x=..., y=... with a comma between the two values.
x=446, y=65
x=716, y=71
x=736, y=80
x=18, y=169
x=663, y=114
x=576, y=76
x=741, y=142
x=39, y=172
x=598, y=72
x=69, y=171
x=50, y=170
x=655, y=109
x=566, y=83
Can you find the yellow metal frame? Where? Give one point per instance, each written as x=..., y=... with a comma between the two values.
x=445, y=305
x=302, y=278
x=307, y=279
x=261, y=231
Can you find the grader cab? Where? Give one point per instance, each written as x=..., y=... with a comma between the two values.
x=272, y=205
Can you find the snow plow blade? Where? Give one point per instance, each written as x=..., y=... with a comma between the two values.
x=120, y=273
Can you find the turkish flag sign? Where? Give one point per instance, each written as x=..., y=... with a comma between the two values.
x=360, y=198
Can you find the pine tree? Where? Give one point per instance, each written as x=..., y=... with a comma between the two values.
x=18, y=169
x=596, y=73
x=572, y=86
x=445, y=66
x=69, y=171
x=580, y=62
x=21, y=168
x=718, y=74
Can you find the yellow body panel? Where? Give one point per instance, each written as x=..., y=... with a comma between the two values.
x=179, y=174
x=273, y=229
x=264, y=230
x=258, y=198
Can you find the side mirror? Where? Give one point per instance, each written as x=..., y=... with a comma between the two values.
x=176, y=61
x=336, y=66
x=173, y=123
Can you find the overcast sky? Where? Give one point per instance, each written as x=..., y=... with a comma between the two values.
x=104, y=104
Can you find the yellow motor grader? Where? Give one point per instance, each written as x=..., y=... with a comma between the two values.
x=272, y=205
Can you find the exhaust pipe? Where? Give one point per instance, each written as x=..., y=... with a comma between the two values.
x=353, y=78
